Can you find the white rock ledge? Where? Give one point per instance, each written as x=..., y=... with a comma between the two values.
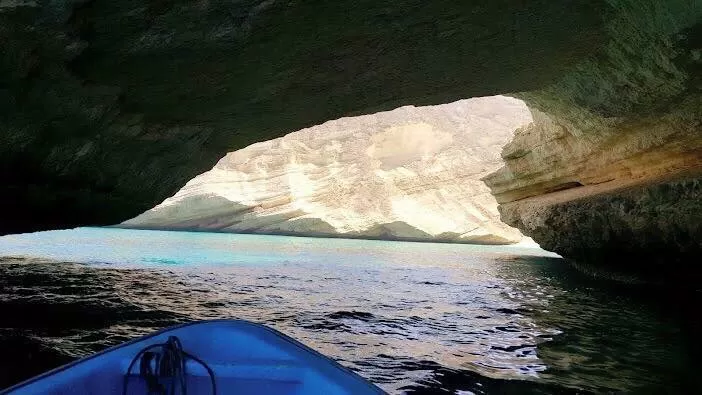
x=408, y=174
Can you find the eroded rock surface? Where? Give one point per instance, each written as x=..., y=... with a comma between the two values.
x=609, y=171
x=107, y=107
x=409, y=174
x=653, y=230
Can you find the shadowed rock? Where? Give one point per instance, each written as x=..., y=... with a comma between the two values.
x=108, y=107
x=609, y=172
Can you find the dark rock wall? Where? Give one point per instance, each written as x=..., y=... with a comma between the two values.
x=591, y=178
x=108, y=107
x=654, y=230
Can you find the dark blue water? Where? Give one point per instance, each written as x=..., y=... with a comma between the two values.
x=411, y=317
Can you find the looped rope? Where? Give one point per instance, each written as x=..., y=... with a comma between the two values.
x=167, y=366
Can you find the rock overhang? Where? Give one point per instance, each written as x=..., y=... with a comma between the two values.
x=109, y=107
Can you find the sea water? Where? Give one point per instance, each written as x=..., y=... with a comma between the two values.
x=410, y=317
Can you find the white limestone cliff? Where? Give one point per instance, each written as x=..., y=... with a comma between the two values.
x=412, y=173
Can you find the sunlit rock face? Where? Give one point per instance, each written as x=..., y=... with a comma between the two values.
x=412, y=173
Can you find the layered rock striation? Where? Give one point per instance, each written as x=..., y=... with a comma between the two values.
x=609, y=171
x=408, y=174
x=109, y=107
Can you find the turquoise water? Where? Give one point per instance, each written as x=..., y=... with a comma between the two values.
x=411, y=317
x=128, y=247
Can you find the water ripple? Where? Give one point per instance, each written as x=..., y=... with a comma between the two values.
x=484, y=325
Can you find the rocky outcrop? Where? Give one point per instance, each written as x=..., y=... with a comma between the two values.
x=408, y=174
x=653, y=231
x=107, y=107
x=609, y=171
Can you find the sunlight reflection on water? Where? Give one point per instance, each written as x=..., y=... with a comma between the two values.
x=412, y=317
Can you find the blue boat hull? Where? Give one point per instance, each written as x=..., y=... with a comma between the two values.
x=246, y=358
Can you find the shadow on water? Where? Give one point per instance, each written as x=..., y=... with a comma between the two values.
x=612, y=337
x=53, y=312
x=615, y=336
x=518, y=325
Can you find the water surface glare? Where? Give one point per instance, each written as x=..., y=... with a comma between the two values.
x=411, y=317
